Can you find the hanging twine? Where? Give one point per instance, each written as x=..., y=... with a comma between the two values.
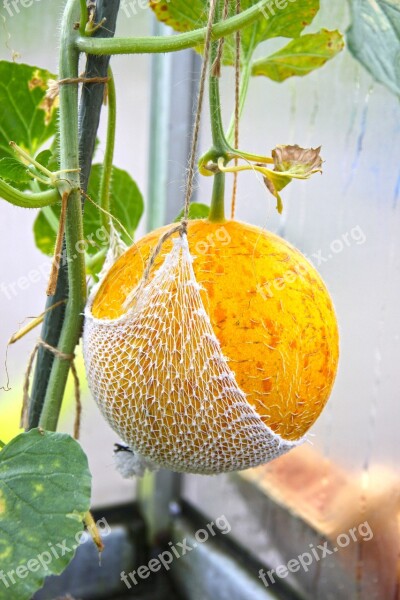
x=85, y=80
x=216, y=66
x=182, y=228
x=157, y=250
x=61, y=356
x=196, y=128
x=109, y=215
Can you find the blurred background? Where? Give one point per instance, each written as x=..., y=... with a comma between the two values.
x=347, y=222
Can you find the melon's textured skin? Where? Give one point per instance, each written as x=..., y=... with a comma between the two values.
x=269, y=309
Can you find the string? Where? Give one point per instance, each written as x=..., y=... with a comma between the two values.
x=216, y=67
x=61, y=356
x=237, y=112
x=53, y=86
x=71, y=80
x=182, y=228
x=196, y=128
x=112, y=217
x=157, y=250
x=16, y=336
x=57, y=256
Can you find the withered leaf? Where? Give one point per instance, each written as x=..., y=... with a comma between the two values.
x=296, y=161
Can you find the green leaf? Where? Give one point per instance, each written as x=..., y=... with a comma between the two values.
x=374, y=39
x=45, y=228
x=126, y=205
x=300, y=56
x=45, y=158
x=2, y=444
x=196, y=211
x=26, y=117
x=282, y=18
x=44, y=495
x=13, y=170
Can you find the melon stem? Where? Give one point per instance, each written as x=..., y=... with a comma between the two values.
x=220, y=147
x=217, y=210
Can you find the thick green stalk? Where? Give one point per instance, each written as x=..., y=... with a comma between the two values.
x=106, y=174
x=220, y=146
x=217, y=209
x=28, y=199
x=69, y=159
x=91, y=102
x=181, y=41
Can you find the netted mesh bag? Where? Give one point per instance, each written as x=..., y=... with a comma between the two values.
x=116, y=248
x=168, y=390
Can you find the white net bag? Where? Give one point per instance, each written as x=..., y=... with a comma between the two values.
x=161, y=380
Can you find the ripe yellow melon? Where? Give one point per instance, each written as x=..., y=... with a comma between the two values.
x=270, y=311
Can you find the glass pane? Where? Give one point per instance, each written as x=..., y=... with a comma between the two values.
x=346, y=221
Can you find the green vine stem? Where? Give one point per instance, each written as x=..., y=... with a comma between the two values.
x=106, y=174
x=28, y=199
x=69, y=159
x=84, y=17
x=217, y=210
x=258, y=158
x=91, y=103
x=173, y=43
x=220, y=147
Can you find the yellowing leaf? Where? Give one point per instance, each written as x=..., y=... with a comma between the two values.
x=25, y=118
x=284, y=18
x=44, y=496
x=300, y=56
